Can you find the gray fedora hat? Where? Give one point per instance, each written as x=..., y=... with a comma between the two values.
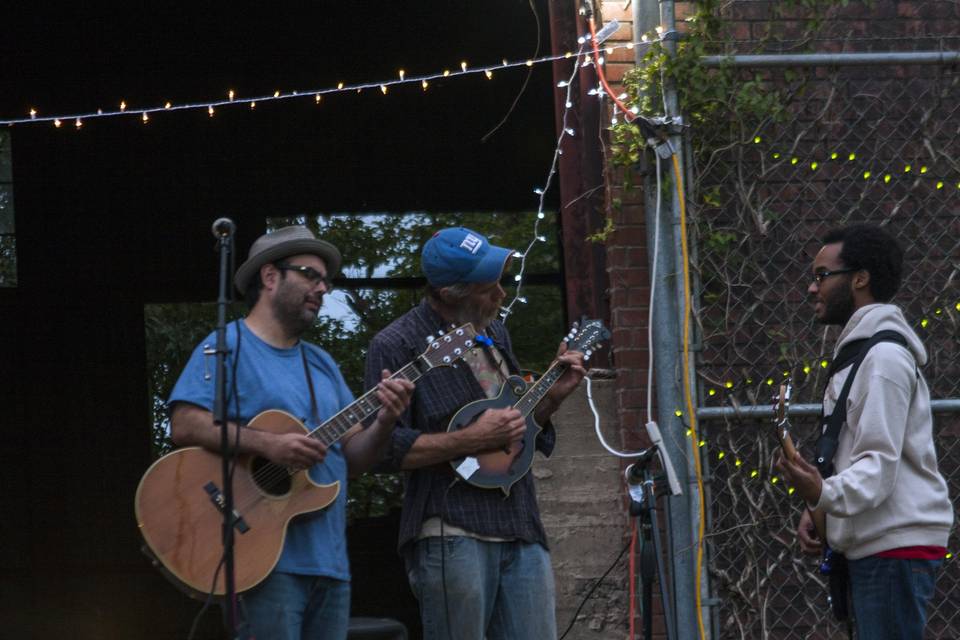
x=284, y=242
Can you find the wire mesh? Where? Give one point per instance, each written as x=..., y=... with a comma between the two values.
x=853, y=144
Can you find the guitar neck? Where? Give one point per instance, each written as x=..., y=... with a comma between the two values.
x=364, y=406
x=535, y=394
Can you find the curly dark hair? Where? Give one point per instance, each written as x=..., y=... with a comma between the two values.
x=869, y=247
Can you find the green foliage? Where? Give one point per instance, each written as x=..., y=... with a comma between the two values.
x=375, y=245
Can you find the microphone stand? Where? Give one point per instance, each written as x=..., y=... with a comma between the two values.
x=643, y=504
x=223, y=230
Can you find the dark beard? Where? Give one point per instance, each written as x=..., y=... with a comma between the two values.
x=289, y=312
x=472, y=313
x=838, y=308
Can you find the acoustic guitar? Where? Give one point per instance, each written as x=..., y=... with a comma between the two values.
x=179, y=502
x=502, y=468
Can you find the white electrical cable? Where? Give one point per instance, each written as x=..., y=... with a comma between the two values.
x=596, y=426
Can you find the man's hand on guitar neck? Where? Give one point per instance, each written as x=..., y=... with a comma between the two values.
x=802, y=476
x=564, y=386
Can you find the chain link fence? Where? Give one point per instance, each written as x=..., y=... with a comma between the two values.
x=864, y=143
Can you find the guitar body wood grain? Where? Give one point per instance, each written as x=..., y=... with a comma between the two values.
x=181, y=521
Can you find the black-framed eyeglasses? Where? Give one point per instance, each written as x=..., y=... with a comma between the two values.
x=309, y=273
x=820, y=275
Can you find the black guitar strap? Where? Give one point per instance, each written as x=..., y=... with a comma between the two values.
x=853, y=354
x=313, y=395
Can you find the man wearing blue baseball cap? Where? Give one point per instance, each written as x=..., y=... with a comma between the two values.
x=476, y=559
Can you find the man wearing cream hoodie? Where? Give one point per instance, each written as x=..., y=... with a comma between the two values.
x=887, y=507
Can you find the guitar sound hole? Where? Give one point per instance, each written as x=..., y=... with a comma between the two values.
x=270, y=478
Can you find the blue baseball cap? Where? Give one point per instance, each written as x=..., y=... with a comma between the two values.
x=458, y=254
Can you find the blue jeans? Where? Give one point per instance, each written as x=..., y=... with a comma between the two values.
x=492, y=590
x=890, y=596
x=286, y=606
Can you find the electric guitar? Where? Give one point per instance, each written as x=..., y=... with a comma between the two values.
x=502, y=468
x=832, y=564
x=781, y=405
x=179, y=502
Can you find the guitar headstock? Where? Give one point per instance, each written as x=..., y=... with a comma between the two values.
x=445, y=348
x=781, y=407
x=585, y=336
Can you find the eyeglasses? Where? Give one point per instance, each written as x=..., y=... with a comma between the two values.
x=819, y=276
x=309, y=273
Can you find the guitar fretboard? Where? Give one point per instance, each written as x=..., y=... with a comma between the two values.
x=364, y=406
x=535, y=394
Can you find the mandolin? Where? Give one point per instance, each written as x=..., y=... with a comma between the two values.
x=502, y=468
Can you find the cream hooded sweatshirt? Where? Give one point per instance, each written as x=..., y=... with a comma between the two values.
x=887, y=492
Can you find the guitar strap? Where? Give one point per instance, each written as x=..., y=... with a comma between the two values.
x=313, y=395
x=853, y=354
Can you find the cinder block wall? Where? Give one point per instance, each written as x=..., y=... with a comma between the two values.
x=579, y=489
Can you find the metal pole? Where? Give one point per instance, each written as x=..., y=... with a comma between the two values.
x=833, y=59
x=759, y=411
x=685, y=512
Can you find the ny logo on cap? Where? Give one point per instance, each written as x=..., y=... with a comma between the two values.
x=471, y=243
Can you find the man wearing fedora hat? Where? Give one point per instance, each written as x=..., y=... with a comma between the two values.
x=477, y=561
x=284, y=279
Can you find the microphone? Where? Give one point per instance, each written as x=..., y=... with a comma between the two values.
x=223, y=227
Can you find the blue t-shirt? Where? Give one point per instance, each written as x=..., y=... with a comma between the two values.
x=272, y=378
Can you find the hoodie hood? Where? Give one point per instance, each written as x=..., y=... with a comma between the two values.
x=872, y=318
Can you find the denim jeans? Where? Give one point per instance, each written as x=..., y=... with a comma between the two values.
x=890, y=596
x=492, y=590
x=286, y=606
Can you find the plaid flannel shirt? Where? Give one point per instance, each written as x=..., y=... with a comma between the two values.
x=439, y=394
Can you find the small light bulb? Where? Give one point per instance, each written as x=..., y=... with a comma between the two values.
x=401, y=73
x=568, y=55
x=57, y=123
x=542, y=238
x=446, y=72
x=210, y=111
x=540, y=215
x=123, y=106
x=253, y=105
x=230, y=94
x=529, y=63
x=145, y=117
x=569, y=131
x=424, y=84
x=383, y=89
x=516, y=278
x=276, y=94
x=339, y=85
x=643, y=38
x=33, y=113
x=518, y=255
x=100, y=112
x=568, y=104
x=317, y=98
x=629, y=45
x=659, y=30
x=538, y=191
x=167, y=105
x=78, y=123
x=463, y=65
x=609, y=50
x=581, y=40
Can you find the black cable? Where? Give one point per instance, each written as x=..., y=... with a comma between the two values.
x=443, y=552
x=207, y=602
x=592, y=589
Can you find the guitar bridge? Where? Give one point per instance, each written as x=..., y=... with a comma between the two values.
x=216, y=497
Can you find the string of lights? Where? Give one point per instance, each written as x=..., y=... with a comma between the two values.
x=233, y=99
